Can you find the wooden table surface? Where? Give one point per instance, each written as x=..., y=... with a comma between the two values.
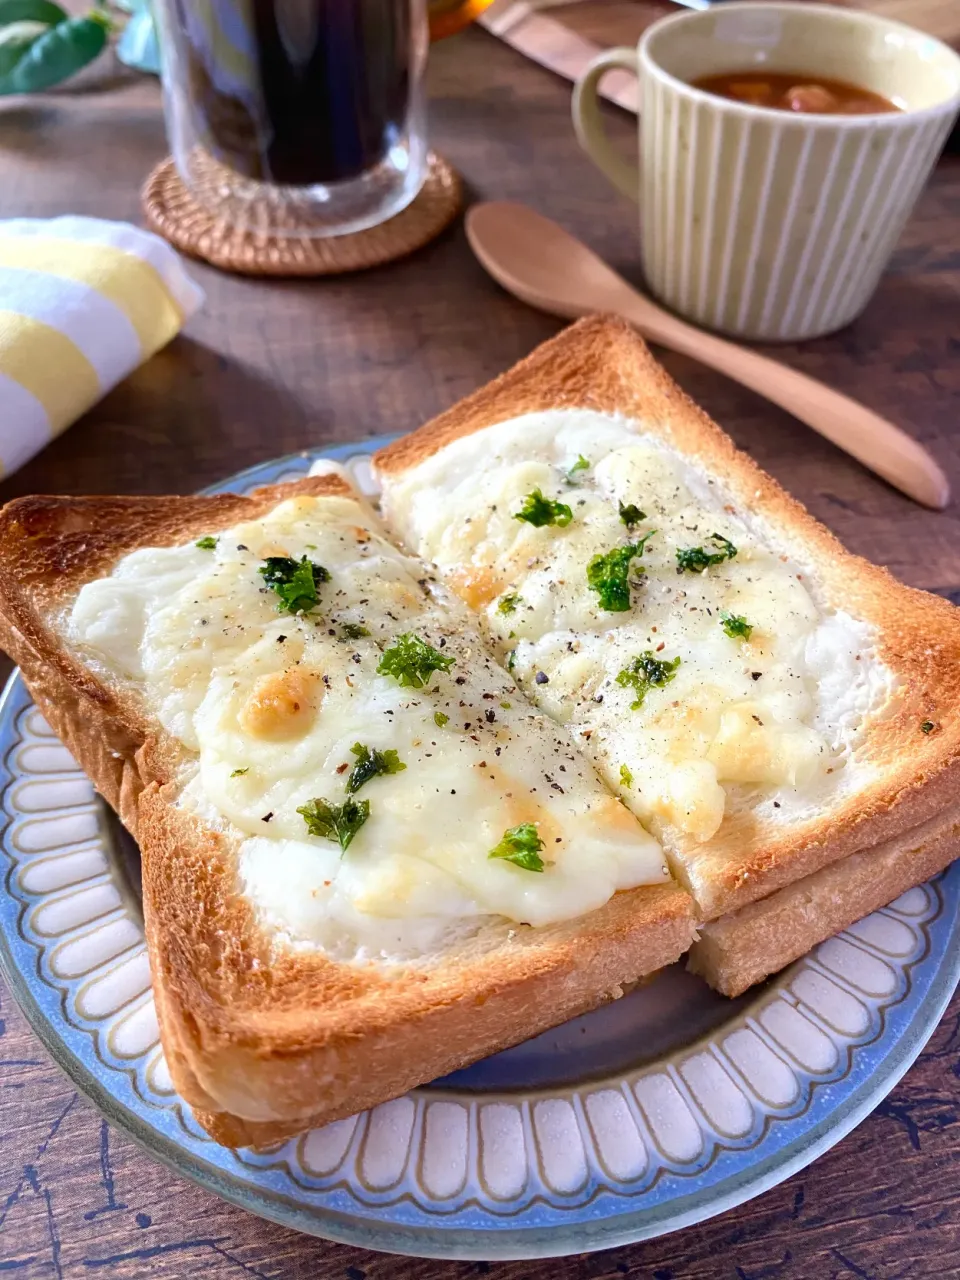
x=270, y=367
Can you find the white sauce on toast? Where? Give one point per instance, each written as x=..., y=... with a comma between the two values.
x=768, y=690
x=272, y=703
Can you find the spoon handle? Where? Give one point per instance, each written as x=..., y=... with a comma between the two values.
x=872, y=440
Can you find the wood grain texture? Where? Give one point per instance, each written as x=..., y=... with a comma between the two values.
x=621, y=21
x=266, y=368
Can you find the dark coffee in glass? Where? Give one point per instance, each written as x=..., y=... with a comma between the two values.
x=299, y=115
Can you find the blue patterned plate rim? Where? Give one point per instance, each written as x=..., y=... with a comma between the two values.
x=787, y=1143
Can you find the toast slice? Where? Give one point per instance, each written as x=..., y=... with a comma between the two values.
x=765, y=702
x=327, y=927
x=746, y=946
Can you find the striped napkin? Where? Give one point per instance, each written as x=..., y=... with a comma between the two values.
x=82, y=303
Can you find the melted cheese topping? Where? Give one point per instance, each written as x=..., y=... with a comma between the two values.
x=271, y=705
x=766, y=721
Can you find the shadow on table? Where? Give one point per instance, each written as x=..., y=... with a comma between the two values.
x=186, y=418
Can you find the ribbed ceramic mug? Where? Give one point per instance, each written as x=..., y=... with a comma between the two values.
x=768, y=224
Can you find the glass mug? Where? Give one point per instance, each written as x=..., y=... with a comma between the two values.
x=301, y=117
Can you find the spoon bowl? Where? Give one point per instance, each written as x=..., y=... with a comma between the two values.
x=554, y=272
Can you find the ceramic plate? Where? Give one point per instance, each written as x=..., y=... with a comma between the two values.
x=657, y=1111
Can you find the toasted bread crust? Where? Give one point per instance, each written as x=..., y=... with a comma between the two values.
x=262, y=1039
x=748, y=945
x=300, y=1041
x=601, y=364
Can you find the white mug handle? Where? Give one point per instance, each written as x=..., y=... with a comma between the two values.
x=588, y=121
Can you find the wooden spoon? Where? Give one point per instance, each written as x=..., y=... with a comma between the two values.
x=542, y=264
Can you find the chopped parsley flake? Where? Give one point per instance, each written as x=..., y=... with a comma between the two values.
x=736, y=627
x=608, y=575
x=538, y=511
x=626, y=777
x=631, y=514
x=581, y=464
x=370, y=765
x=440, y=719
x=521, y=846
x=695, y=559
x=506, y=705
x=337, y=822
x=294, y=581
x=237, y=773
x=645, y=673
x=511, y=659
x=509, y=603
x=353, y=631
x=207, y=543
x=928, y=726
x=411, y=661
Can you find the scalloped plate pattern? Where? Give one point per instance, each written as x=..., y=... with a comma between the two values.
x=510, y=1158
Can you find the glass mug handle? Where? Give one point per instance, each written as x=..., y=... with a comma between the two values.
x=588, y=121
x=447, y=17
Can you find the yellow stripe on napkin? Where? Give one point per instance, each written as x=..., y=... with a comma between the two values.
x=83, y=302
x=124, y=279
x=29, y=350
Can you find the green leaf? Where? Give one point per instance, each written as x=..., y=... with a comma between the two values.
x=238, y=773
x=508, y=603
x=645, y=673
x=295, y=582
x=736, y=627
x=626, y=777
x=631, y=514
x=411, y=661
x=695, y=559
x=44, y=11
x=521, y=846
x=57, y=54
x=353, y=631
x=538, y=511
x=337, y=822
x=581, y=464
x=207, y=543
x=370, y=765
x=15, y=40
x=609, y=574
x=440, y=719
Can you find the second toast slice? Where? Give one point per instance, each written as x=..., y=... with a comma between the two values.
x=766, y=702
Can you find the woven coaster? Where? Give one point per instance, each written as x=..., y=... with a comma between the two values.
x=173, y=213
